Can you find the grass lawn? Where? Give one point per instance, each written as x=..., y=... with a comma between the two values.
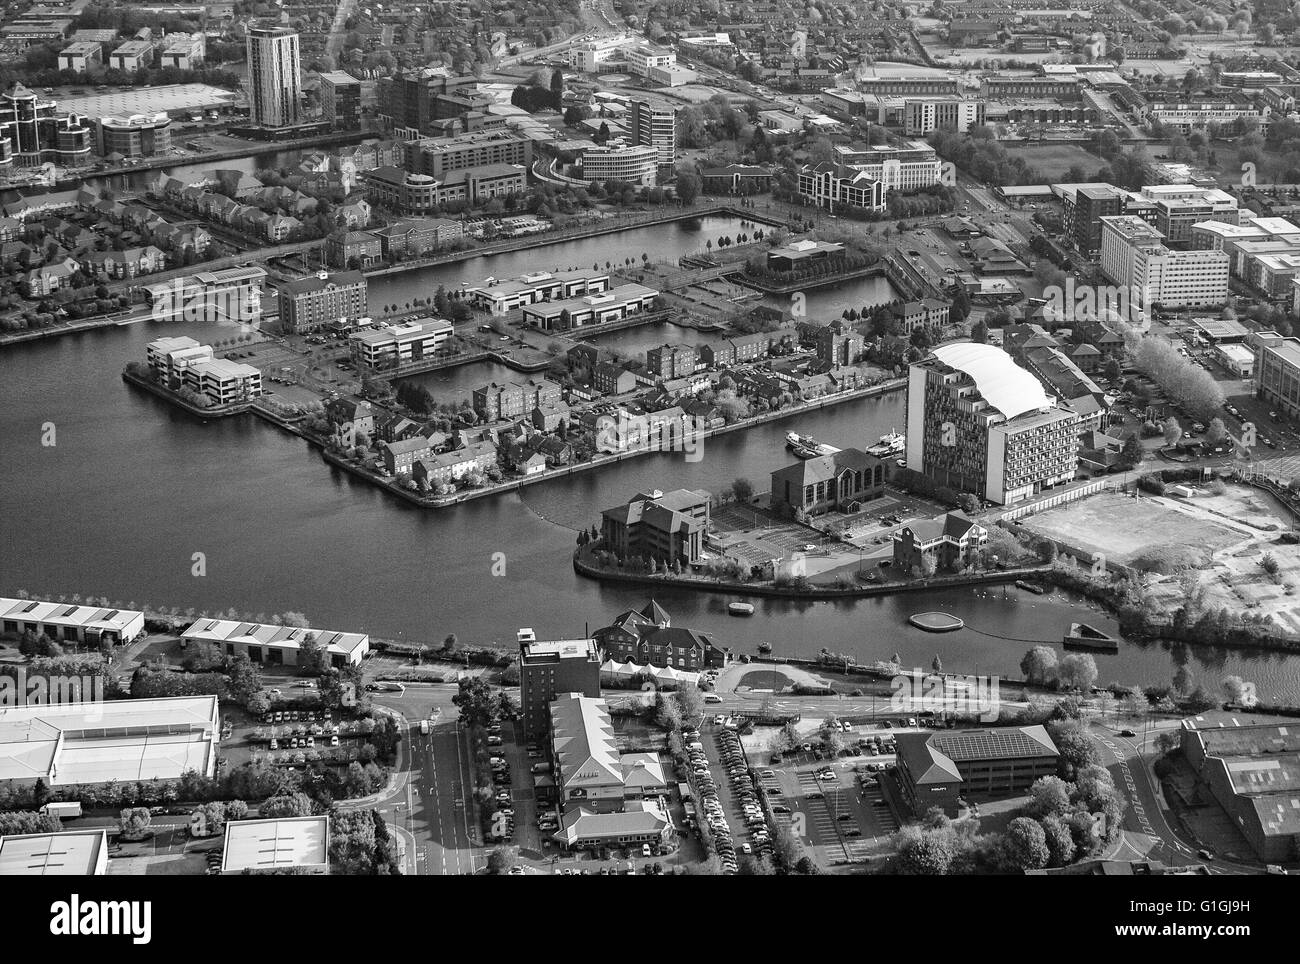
x=1053, y=160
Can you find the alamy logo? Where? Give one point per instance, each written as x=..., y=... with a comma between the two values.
x=1076, y=302
x=917, y=691
x=112, y=918
x=948, y=174
x=179, y=302
x=17, y=689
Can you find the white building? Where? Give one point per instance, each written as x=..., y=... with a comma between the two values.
x=502, y=297
x=227, y=294
x=222, y=381
x=636, y=164
x=393, y=345
x=276, y=645
x=169, y=357
x=641, y=59
x=131, y=56
x=278, y=843
x=124, y=740
x=81, y=56
x=1134, y=256
x=274, y=77
x=72, y=853
x=184, y=51
x=90, y=625
x=831, y=186
x=906, y=168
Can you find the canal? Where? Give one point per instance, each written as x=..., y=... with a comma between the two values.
x=139, y=502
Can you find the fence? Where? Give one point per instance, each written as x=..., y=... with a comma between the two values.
x=1052, y=501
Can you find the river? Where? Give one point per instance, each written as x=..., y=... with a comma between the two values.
x=133, y=490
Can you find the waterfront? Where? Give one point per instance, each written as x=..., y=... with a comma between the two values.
x=279, y=529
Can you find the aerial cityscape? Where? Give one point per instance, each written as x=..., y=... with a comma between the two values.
x=621, y=437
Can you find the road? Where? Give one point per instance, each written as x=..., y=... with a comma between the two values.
x=1147, y=835
x=431, y=805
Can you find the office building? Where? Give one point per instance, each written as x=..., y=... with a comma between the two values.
x=923, y=116
x=654, y=124
x=74, y=744
x=274, y=77
x=71, y=853
x=666, y=527
x=832, y=186
x=340, y=100
x=276, y=645
x=608, y=798
x=671, y=361
x=939, y=769
x=643, y=58
x=389, y=347
x=949, y=544
x=140, y=135
x=593, y=309
x=977, y=422
x=1277, y=374
x=416, y=194
x=913, y=166
x=31, y=134
x=84, y=625
x=549, y=668
x=227, y=294
x=1134, y=256
x=838, y=344
x=79, y=57
x=322, y=300
x=636, y=165
x=409, y=103
x=183, y=51
x=502, y=297
x=1251, y=765
x=222, y=381
x=132, y=56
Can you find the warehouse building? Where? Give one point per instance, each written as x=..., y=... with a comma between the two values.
x=276, y=645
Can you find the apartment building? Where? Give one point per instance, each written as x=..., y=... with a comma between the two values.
x=1083, y=207
x=132, y=56
x=274, y=77
x=922, y=116
x=495, y=402
x=438, y=157
x=1277, y=373
x=647, y=637
x=393, y=346
x=646, y=57
x=183, y=51
x=79, y=57
x=322, y=300
x=977, y=422
x=672, y=361
x=227, y=294
x=222, y=381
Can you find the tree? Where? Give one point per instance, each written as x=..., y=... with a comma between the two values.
x=1024, y=846
x=924, y=853
x=1172, y=430
x=936, y=664
x=1216, y=432
x=133, y=822
x=688, y=187
x=742, y=489
x=449, y=644
x=287, y=805
x=1074, y=744
x=1049, y=796
x=1077, y=671
x=502, y=860
x=1039, y=665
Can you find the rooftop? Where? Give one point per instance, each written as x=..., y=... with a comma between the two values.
x=1005, y=385
x=275, y=844
x=73, y=853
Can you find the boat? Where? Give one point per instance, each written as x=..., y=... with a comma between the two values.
x=740, y=609
x=807, y=447
x=895, y=443
x=1083, y=636
x=936, y=622
x=1033, y=587
x=765, y=647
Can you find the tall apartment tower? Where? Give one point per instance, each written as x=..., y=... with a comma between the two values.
x=655, y=123
x=274, y=77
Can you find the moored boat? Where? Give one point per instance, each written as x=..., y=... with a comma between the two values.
x=1033, y=587
x=740, y=609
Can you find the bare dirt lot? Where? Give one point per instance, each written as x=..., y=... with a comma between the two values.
x=1239, y=530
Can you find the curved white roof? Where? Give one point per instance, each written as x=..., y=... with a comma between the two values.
x=1006, y=386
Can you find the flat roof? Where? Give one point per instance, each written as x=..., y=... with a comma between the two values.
x=276, y=843
x=149, y=100
x=73, y=853
x=95, y=742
